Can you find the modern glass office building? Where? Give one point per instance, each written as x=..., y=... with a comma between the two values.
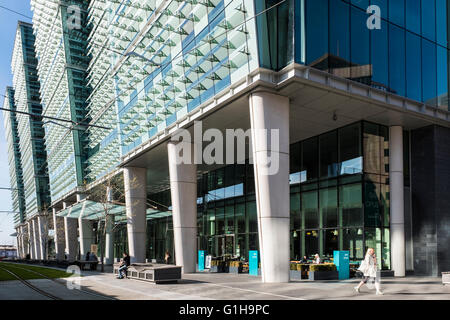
x=30, y=129
x=357, y=89
x=61, y=49
x=14, y=159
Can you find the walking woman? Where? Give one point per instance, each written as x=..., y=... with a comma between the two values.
x=369, y=269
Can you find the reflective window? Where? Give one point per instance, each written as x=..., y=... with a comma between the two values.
x=397, y=60
x=316, y=31
x=328, y=155
x=413, y=16
x=328, y=207
x=350, y=157
x=310, y=210
x=350, y=205
x=310, y=159
x=413, y=67
x=397, y=12
x=429, y=19
x=429, y=79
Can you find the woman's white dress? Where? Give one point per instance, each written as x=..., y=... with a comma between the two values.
x=368, y=267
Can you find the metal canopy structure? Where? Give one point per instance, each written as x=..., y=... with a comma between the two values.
x=92, y=210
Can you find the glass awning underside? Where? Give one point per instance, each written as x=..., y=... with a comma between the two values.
x=92, y=210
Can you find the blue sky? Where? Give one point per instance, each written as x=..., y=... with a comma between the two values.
x=8, y=25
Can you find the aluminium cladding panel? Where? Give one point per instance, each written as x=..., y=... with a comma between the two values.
x=430, y=183
x=104, y=144
x=61, y=51
x=184, y=53
x=14, y=158
x=30, y=129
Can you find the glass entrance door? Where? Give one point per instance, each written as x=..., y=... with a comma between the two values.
x=225, y=245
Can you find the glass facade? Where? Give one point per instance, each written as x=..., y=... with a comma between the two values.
x=14, y=158
x=339, y=200
x=189, y=52
x=30, y=129
x=408, y=56
x=64, y=90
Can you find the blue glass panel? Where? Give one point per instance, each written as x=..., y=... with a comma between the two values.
x=397, y=12
x=429, y=19
x=442, y=77
x=379, y=56
x=363, y=4
x=413, y=67
x=397, y=60
x=441, y=22
x=383, y=4
x=360, y=47
x=339, y=32
x=413, y=15
x=316, y=30
x=429, y=72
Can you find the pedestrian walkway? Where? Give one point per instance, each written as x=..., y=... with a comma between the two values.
x=221, y=286
x=228, y=286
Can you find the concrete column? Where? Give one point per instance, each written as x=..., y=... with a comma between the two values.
x=269, y=115
x=183, y=188
x=398, y=253
x=60, y=242
x=43, y=236
x=19, y=242
x=26, y=240
x=22, y=241
x=86, y=233
x=31, y=240
x=109, y=240
x=71, y=236
x=135, y=182
x=37, y=240
x=109, y=234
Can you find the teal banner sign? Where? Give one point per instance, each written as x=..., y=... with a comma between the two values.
x=342, y=262
x=253, y=263
x=201, y=260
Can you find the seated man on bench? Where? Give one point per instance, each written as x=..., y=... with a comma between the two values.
x=124, y=264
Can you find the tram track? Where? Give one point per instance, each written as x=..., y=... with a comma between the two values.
x=29, y=285
x=48, y=278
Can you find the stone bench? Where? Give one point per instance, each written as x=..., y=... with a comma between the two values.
x=445, y=278
x=151, y=272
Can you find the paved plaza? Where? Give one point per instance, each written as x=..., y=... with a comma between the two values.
x=207, y=286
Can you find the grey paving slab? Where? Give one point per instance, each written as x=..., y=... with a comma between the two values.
x=205, y=286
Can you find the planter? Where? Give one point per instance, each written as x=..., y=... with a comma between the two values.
x=323, y=275
x=235, y=270
x=295, y=275
x=221, y=268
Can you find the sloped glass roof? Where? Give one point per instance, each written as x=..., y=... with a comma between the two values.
x=92, y=210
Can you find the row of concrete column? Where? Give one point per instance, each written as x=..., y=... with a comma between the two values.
x=267, y=112
x=32, y=237
x=69, y=230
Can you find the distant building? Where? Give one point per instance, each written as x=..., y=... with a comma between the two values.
x=8, y=251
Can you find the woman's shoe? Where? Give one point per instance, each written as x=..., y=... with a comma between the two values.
x=379, y=293
x=357, y=289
